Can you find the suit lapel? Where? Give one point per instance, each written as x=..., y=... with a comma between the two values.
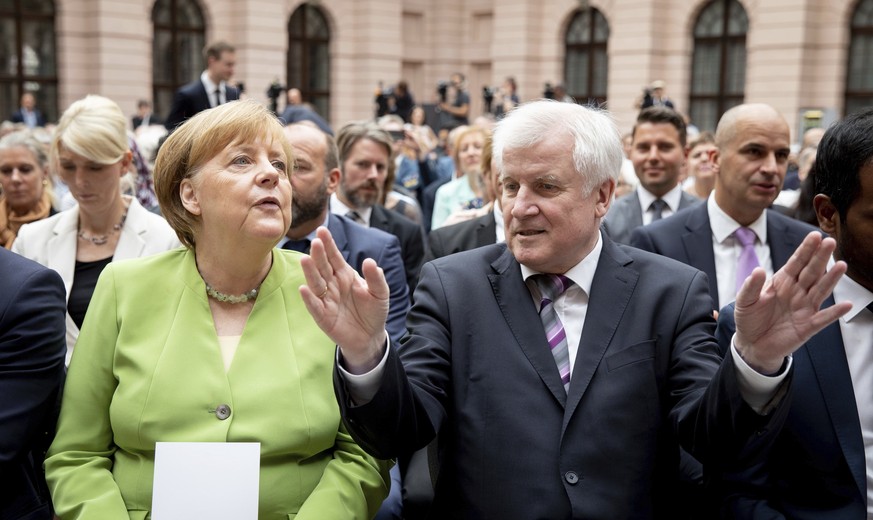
x=131, y=242
x=611, y=290
x=781, y=240
x=698, y=247
x=337, y=230
x=517, y=307
x=828, y=358
x=62, y=246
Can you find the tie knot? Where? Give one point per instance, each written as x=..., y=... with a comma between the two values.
x=354, y=215
x=745, y=236
x=553, y=285
x=658, y=206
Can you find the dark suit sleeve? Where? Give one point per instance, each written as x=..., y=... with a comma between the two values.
x=436, y=248
x=641, y=239
x=413, y=253
x=391, y=263
x=741, y=488
x=410, y=405
x=32, y=349
x=179, y=111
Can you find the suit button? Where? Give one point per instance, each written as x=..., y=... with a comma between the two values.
x=571, y=477
x=222, y=412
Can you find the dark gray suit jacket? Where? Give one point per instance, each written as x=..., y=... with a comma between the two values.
x=191, y=99
x=625, y=215
x=32, y=349
x=816, y=469
x=463, y=236
x=411, y=237
x=476, y=364
x=687, y=237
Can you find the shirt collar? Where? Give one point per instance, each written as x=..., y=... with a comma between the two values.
x=672, y=198
x=582, y=273
x=723, y=226
x=338, y=207
x=851, y=291
x=310, y=236
x=209, y=85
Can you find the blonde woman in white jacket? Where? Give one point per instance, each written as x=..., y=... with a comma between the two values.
x=90, y=153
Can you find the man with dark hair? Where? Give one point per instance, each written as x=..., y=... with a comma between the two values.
x=144, y=115
x=821, y=464
x=734, y=230
x=210, y=90
x=315, y=180
x=658, y=154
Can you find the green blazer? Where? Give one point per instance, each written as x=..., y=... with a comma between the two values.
x=147, y=367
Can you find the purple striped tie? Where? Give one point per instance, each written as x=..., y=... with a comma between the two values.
x=551, y=287
x=748, y=260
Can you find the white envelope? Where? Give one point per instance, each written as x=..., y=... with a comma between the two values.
x=215, y=480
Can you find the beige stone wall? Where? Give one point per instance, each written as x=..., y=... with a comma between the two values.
x=796, y=49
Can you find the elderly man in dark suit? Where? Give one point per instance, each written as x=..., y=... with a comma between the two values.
x=752, y=158
x=562, y=370
x=32, y=349
x=821, y=465
x=210, y=89
x=365, y=151
x=658, y=154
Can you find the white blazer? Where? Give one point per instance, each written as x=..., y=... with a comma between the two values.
x=53, y=241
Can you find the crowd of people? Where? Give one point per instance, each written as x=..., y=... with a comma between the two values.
x=519, y=316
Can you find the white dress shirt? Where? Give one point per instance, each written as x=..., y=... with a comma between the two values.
x=337, y=207
x=500, y=231
x=210, y=90
x=672, y=198
x=856, y=328
x=727, y=249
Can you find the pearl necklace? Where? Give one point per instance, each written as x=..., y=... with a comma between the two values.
x=231, y=298
x=102, y=239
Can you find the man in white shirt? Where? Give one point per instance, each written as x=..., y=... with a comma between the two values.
x=658, y=155
x=210, y=89
x=753, y=143
x=583, y=421
x=821, y=464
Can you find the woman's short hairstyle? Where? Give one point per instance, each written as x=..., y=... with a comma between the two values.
x=700, y=139
x=597, y=149
x=93, y=127
x=25, y=139
x=196, y=142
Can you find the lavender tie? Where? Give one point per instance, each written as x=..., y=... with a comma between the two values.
x=552, y=286
x=748, y=260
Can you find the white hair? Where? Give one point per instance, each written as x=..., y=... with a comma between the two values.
x=597, y=149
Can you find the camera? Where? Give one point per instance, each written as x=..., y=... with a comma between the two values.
x=549, y=91
x=273, y=92
x=488, y=96
x=442, y=90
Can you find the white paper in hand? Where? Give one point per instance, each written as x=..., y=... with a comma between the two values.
x=215, y=480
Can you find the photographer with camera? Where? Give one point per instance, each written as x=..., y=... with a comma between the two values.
x=455, y=113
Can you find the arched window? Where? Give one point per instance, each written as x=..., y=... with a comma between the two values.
x=718, y=69
x=309, y=57
x=27, y=56
x=859, y=73
x=585, y=60
x=177, y=49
